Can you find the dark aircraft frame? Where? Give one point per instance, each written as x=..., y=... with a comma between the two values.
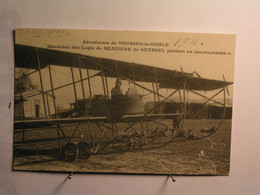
x=134, y=135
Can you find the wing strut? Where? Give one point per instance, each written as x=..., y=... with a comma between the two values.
x=82, y=86
x=157, y=90
x=39, y=66
x=74, y=86
x=89, y=85
x=52, y=91
x=102, y=76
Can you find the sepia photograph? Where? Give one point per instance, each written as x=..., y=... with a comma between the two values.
x=134, y=102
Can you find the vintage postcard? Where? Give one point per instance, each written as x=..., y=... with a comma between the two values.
x=134, y=102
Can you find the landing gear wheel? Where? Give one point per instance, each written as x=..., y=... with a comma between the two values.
x=137, y=146
x=70, y=152
x=84, y=150
x=125, y=143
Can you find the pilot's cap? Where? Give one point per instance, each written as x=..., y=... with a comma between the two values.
x=119, y=81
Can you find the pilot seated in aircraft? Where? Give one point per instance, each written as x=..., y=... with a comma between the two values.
x=116, y=92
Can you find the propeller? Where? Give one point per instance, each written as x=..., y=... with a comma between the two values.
x=226, y=86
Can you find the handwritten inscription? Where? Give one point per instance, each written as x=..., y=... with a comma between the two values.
x=39, y=33
x=184, y=41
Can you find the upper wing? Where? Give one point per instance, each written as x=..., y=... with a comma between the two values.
x=30, y=57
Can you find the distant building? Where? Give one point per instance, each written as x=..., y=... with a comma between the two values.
x=29, y=105
x=193, y=110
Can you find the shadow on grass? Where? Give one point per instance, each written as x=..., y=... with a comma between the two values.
x=53, y=155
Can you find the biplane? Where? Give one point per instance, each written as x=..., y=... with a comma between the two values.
x=115, y=123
